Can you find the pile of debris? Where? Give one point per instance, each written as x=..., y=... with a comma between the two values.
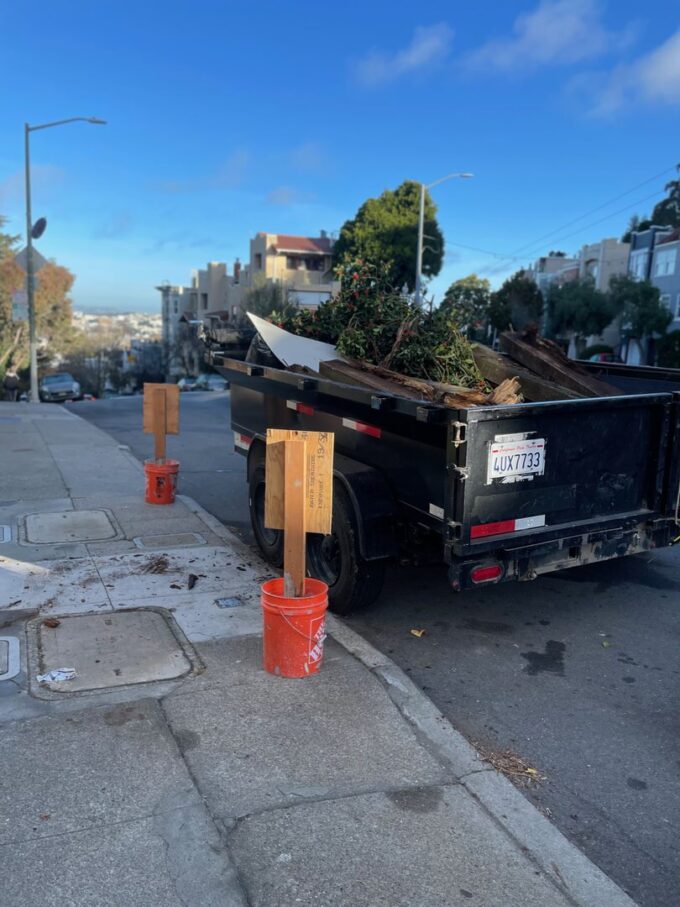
x=528, y=368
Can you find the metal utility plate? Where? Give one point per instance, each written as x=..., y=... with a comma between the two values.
x=111, y=649
x=68, y=526
x=10, y=661
x=170, y=540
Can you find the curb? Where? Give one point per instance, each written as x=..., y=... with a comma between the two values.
x=561, y=861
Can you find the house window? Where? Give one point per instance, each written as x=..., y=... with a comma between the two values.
x=204, y=301
x=258, y=261
x=292, y=263
x=677, y=306
x=175, y=307
x=665, y=299
x=314, y=264
x=664, y=263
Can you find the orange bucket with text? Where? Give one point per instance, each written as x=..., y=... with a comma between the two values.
x=161, y=481
x=294, y=628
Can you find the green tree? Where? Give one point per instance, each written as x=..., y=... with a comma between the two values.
x=517, y=303
x=578, y=308
x=642, y=312
x=265, y=297
x=385, y=230
x=668, y=350
x=466, y=303
x=666, y=213
x=11, y=278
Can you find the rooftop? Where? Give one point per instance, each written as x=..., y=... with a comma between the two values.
x=319, y=245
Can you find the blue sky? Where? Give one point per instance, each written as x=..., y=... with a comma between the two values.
x=226, y=118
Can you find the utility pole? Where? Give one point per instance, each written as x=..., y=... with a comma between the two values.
x=34, y=396
x=421, y=228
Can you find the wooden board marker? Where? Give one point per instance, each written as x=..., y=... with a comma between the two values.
x=298, y=495
x=161, y=414
x=294, y=535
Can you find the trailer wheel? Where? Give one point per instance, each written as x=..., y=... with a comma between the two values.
x=269, y=541
x=353, y=583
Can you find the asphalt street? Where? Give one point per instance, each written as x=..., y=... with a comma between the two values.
x=578, y=672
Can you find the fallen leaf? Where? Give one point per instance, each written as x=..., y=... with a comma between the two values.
x=44, y=816
x=175, y=586
x=605, y=643
x=418, y=633
x=192, y=580
x=51, y=622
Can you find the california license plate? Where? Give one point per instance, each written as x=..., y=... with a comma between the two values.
x=521, y=458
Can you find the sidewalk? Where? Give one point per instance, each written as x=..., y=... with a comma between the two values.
x=172, y=770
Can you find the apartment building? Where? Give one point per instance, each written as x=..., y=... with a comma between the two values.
x=302, y=263
x=665, y=272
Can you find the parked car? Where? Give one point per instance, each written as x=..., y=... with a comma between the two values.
x=188, y=384
x=59, y=387
x=212, y=383
x=605, y=357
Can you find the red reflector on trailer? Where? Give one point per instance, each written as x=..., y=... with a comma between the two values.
x=478, y=532
x=362, y=427
x=486, y=574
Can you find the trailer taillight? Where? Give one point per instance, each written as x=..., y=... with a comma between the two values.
x=488, y=573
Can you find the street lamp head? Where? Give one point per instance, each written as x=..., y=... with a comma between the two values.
x=96, y=121
x=466, y=176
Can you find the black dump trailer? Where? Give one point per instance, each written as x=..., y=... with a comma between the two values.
x=498, y=493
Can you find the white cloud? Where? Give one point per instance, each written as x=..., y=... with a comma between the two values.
x=557, y=32
x=231, y=174
x=653, y=78
x=44, y=179
x=429, y=46
x=286, y=195
x=308, y=157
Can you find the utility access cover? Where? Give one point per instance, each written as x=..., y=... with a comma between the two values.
x=112, y=649
x=68, y=526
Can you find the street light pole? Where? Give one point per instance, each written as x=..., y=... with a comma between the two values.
x=34, y=395
x=421, y=227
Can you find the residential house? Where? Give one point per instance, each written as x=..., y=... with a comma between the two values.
x=302, y=263
x=642, y=243
x=665, y=273
x=553, y=268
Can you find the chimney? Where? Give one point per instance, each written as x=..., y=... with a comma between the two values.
x=323, y=234
x=237, y=271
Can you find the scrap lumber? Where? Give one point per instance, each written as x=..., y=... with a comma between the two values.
x=547, y=360
x=497, y=368
x=378, y=378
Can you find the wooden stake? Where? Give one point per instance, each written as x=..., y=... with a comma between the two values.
x=294, y=533
x=159, y=426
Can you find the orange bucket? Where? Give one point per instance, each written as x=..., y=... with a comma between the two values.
x=161, y=481
x=294, y=628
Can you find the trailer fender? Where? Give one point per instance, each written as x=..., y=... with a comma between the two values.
x=373, y=504
x=372, y=501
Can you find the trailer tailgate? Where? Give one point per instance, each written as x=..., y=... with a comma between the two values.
x=544, y=471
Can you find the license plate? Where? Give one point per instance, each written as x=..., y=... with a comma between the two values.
x=515, y=458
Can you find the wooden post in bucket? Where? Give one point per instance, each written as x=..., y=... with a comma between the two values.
x=298, y=495
x=161, y=414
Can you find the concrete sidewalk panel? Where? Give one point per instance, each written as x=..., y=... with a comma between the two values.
x=430, y=847
x=86, y=769
x=256, y=741
x=58, y=587
x=172, y=859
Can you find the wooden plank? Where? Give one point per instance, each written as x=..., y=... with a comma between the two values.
x=294, y=534
x=342, y=372
x=319, y=488
x=274, y=487
x=171, y=407
x=159, y=422
x=496, y=368
x=552, y=365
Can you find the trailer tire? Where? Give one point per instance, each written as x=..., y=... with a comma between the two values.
x=269, y=541
x=353, y=583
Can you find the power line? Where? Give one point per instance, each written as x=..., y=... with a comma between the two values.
x=551, y=233
x=483, y=251
x=532, y=251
